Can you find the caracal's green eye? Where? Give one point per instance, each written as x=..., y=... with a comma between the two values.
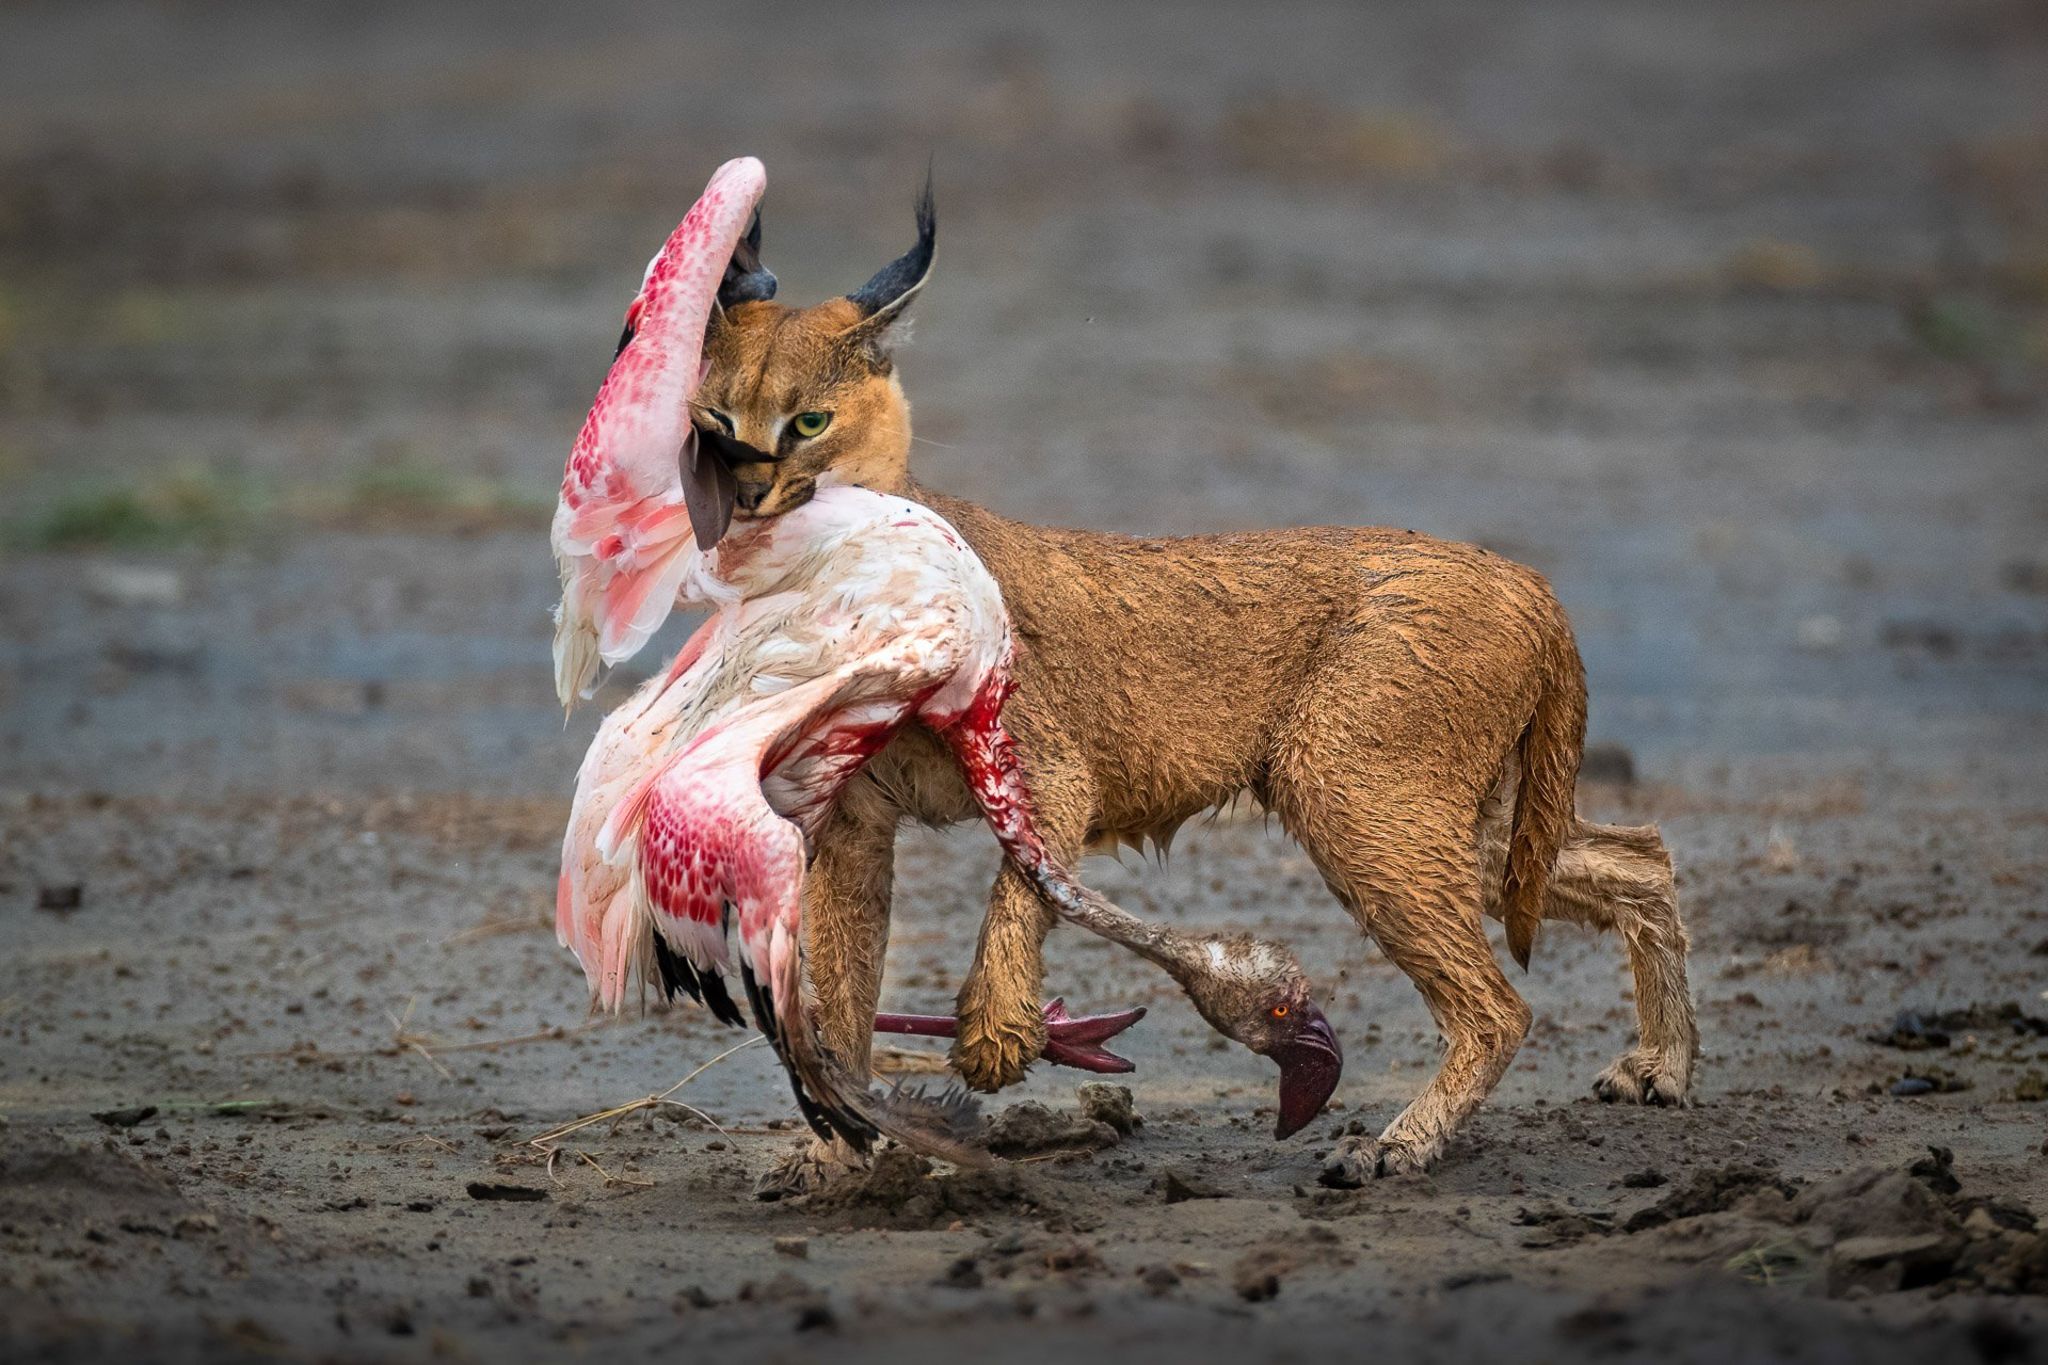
x=809, y=424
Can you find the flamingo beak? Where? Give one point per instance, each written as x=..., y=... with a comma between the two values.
x=1311, y=1063
x=709, y=488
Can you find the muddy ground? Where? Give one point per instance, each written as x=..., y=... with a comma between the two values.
x=1732, y=319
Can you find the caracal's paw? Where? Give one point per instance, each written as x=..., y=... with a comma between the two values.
x=996, y=1044
x=1647, y=1075
x=1356, y=1160
x=807, y=1168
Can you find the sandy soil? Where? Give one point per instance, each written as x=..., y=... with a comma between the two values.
x=1734, y=322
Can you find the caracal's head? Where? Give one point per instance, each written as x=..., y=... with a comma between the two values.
x=808, y=397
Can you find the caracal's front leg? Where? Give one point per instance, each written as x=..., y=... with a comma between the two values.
x=846, y=936
x=1002, y=1022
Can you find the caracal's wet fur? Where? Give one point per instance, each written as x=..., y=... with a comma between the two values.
x=1411, y=709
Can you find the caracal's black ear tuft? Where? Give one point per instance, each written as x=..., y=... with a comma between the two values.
x=746, y=279
x=882, y=299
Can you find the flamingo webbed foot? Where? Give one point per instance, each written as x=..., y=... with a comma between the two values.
x=1069, y=1041
x=1077, y=1042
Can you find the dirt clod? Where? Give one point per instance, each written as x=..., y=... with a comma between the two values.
x=1870, y=1230
x=1071, y=1257
x=1106, y=1102
x=1257, y=1275
x=901, y=1190
x=1030, y=1129
x=1936, y=1171
x=963, y=1273
x=816, y=1317
x=500, y=1190
x=1927, y=1080
x=1555, y=1226
x=1159, y=1279
x=1885, y=1264
x=1178, y=1184
x=1711, y=1191
x=1916, y=1030
x=60, y=899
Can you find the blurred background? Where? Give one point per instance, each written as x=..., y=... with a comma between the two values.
x=1731, y=318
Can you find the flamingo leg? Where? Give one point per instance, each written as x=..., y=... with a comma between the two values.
x=1068, y=1041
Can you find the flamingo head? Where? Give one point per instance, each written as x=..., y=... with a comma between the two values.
x=1256, y=993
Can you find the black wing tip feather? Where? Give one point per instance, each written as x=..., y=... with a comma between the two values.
x=946, y=1124
x=825, y=1117
x=678, y=977
x=720, y=1001
x=947, y=1121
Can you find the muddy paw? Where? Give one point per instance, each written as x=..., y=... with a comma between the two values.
x=1644, y=1076
x=993, y=1049
x=1355, y=1160
x=808, y=1168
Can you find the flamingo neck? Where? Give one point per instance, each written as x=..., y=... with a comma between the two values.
x=988, y=759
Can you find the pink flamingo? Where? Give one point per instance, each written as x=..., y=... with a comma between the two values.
x=838, y=623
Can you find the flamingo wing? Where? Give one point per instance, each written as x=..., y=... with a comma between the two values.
x=596, y=911
x=713, y=857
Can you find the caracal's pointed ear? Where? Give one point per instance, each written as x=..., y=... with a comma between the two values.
x=885, y=298
x=746, y=279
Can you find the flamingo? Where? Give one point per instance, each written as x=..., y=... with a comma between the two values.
x=836, y=624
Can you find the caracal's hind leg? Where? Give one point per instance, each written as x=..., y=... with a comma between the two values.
x=846, y=935
x=1422, y=907
x=1399, y=856
x=1618, y=877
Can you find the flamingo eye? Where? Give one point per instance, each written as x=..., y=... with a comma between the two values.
x=1279, y=1011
